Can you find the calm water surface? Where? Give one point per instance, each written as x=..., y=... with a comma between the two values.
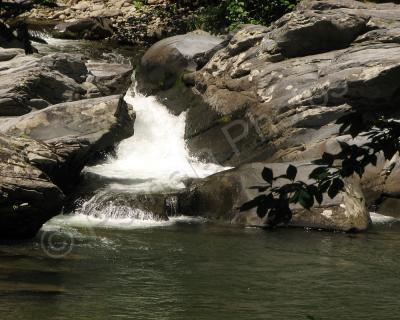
x=202, y=271
x=193, y=270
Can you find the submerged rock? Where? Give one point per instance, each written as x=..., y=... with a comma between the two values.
x=120, y=204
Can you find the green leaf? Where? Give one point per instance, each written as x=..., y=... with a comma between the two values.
x=268, y=175
x=335, y=188
x=324, y=186
x=319, y=173
x=306, y=200
x=259, y=188
x=257, y=201
x=314, y=190
x=265, y=205
x=291, y=172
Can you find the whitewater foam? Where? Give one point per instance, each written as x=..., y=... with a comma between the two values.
x=157, y=152
x=145, y=221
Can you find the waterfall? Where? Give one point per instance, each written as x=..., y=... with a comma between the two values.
x=156, y=154
x=155, y=159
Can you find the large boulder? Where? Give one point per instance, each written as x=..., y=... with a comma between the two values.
x=166, y=61
x=78, y=131
x=273, y=93
x=89, y=29
x=220, y=196
x=28, y=197
x=43, y=153
x=314, y=32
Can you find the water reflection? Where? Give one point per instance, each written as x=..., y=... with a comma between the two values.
x=201, y=271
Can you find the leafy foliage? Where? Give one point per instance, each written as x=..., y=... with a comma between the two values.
x=46, y=3
x=256, y=11
x=371, y=134
x=228, y=14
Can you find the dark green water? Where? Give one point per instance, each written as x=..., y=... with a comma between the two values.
x=203, y=271
x=193, y=270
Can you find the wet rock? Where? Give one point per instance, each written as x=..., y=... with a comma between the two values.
x=38, y=104
x=122, y=204
x=11, y=107
x=220, y=196
x=389, y=207
x=28, y=77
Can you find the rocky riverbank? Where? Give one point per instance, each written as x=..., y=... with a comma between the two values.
x=260, y=96
x=273, y=94
x=57, y=113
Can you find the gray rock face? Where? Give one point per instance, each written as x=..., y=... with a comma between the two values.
x=220, y=196
x=110, y=78
x=73, y=66
x=28, y=198
x=165, y=62
x=309, y=32
x=89, y=29
x=273, y=93
x=29, y=77
x=292, y=104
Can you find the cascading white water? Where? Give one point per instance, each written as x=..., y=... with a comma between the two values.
x=156, y=153
x=154, y=159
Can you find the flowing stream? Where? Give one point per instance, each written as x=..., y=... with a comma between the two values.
x=107, y=260
x=156, y=153
x=154, y=160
